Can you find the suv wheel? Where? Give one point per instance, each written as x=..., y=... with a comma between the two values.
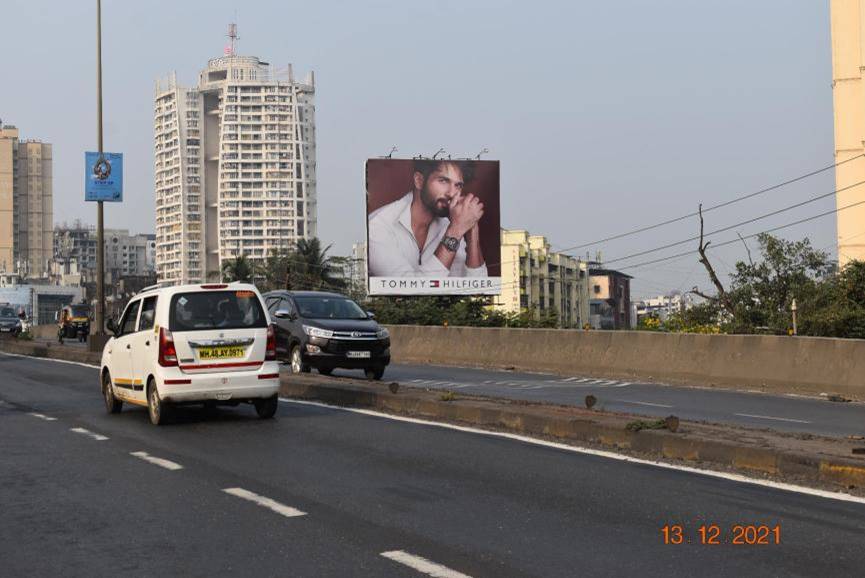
x=375, y=373
x=112, y=404
x=297, y=364
x=266, y=408
x=155, y=405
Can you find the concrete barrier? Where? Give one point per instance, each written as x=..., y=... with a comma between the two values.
x=806, y=365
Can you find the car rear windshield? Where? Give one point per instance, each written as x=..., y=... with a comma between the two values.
x=215, y=310
x=329, y=308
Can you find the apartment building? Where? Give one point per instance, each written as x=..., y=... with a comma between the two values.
x=610, y=303
x=537, y=278
x=126, y=255
x=26, y=204
x=234, y=166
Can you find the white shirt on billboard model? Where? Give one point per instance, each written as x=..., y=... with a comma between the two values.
x=393, y=249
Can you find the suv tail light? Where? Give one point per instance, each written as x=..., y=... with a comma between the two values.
x=167, y=352
x=270, y=352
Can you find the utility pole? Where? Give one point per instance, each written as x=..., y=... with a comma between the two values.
x=100, y=241
x=793, y=309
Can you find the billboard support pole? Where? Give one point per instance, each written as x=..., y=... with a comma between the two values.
x=100, y=242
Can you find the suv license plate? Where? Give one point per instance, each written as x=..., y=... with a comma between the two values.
x=358, y=354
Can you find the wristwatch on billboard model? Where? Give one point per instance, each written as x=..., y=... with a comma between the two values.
x=451, y=244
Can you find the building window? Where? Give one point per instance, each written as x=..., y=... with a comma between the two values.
x=597, y=288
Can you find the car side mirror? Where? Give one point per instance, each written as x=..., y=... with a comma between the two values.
x=112, y=327
x=282, y=314
x=370, y=314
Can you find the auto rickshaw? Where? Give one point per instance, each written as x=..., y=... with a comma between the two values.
x=73, y=321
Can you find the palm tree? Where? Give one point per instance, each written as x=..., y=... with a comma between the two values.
x=306, y=266
x=238, y=269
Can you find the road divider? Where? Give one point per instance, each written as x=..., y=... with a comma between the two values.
x=768, y=363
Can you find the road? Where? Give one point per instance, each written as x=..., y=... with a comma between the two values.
x=785, y=413
x=779, y=412
x=327, y=492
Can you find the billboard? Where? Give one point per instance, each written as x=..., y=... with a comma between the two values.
x=433, y=227
x=103, y=177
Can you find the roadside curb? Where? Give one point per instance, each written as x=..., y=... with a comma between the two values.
x=609, y=431
x=50, y=351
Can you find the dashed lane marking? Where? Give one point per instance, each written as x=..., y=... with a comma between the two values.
x=273, y=505
x=43, y=416
x=772, y=418
x=162, y=463
x=88, y=433
x=423, y=565
x=643, y=403
x=593, y=452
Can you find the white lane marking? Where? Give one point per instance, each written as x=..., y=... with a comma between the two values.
x=417, y=381
x=592, y=452
x=286, y=511
x=88, y=433
x=423, y=565
x=572, y=379
x=167, y=464
x=502, y=382
x=463, y=385
x=643, y=403
x=488, y=381
x=583, y=380
x=50, y=359
x=772, y=418
x=625, y=384
x=43, y=416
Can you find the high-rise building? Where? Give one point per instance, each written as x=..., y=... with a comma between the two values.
x=537, y=279
x=848, y=91
x=26, y=205
x=235, y=166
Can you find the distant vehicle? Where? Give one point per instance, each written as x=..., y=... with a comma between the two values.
x=210, y=344
x=9, y=320
x=73, y=321
x=327, y=331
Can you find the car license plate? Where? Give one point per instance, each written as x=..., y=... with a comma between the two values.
x=358, y=354
x=221, y=352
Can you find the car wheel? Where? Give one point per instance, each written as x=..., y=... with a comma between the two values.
x=325, y=370
x=112, y=404
x=266, y=408
x=155, y=405
x=374, y=373
x=297, y=364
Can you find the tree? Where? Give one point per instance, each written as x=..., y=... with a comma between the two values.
x=238, y=269
x=305, y=266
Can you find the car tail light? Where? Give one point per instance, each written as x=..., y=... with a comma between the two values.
x=215, y=286
x=270, y=352
x=167, y=352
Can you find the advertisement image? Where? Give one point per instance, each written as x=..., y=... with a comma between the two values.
x=433, y=227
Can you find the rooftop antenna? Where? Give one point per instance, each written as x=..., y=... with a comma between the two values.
x=483, y=152
x=440, y=151
x=232, y=40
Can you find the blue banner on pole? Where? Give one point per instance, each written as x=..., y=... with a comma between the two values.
x=103, y=177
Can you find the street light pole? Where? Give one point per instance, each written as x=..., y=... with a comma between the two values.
x=793, y=309
x=100, y=242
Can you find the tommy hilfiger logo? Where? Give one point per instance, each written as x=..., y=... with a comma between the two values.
x=434, y=283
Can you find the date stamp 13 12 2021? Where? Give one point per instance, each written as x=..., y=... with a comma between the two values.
x=715, y=534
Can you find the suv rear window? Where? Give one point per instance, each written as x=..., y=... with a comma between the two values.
x=215, y=310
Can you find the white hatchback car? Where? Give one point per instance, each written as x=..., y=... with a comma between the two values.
x=210, y=344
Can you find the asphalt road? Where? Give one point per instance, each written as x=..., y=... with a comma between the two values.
x=326, y=492
x=779, y=412
x=786, y=413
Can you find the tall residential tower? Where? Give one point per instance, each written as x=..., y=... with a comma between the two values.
x=235, y=166
x=26, y=205
x=848, y=91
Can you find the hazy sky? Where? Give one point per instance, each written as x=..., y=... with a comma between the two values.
x=606, y=116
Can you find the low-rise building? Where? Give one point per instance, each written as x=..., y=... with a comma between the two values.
x=537, y=279
x=610, y=298
x=663, y=306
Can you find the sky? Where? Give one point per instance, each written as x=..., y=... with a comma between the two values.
x=606, y=116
